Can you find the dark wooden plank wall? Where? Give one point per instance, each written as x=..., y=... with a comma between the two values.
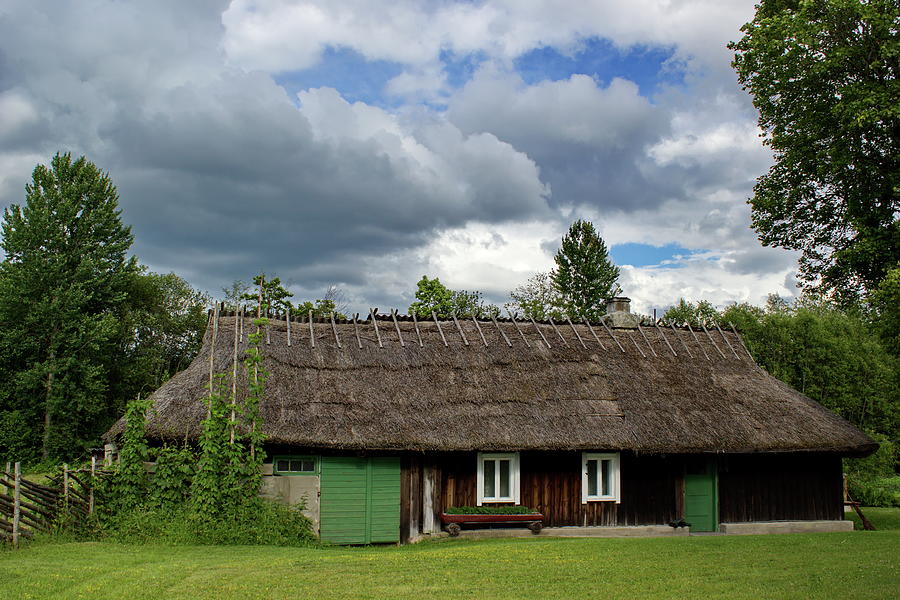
x=551, y=483
x=780, y=487
x=410, y=496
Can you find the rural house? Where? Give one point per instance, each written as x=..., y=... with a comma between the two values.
x=382, y=424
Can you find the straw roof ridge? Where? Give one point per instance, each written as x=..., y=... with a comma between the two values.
x=481, y=384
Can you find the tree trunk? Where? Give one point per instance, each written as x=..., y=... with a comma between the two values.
x=51, y=359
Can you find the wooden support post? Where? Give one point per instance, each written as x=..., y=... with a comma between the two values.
x=558, y=332
x=696, y=339
x=241, y=324
x=234, y=370
x=538, y=329
x=418, y=333
x=615, y=339
x=680, y=339
x=66, y=484
x=356, y=329
x=663, y=336
x=715, y=345
x=440, y=331
x=375, y=324
x=397, y=327
x=93, y=475
x=497, y=325
x=594, y=333
x=289, y=326
x=575, y=331
x=730, y=347
x=478, y=327
x=17, y=503
x=644, y=335
x=269, y=311
x=512, y=318
x=459, y=329
x=312, y=335
x=212, y=354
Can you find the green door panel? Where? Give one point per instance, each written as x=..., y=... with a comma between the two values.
x=700, y=495
x=360, y=499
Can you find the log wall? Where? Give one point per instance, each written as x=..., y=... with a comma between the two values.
x=780, y=487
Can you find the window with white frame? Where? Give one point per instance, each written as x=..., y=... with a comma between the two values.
x=498, y=477
x=600, y=477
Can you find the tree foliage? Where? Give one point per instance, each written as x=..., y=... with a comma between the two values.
x=63, y=282
x=694, y=314
x=434, y=296
x=829, y=354
x=584, y=277
x=823, y=75
x=537, y=299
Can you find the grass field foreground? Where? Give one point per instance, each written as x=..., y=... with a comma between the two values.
x=837, y=565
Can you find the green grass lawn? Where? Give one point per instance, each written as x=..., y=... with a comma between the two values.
x=830, y=565
x=881, y=518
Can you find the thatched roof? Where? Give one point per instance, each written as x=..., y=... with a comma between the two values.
x=506, y=385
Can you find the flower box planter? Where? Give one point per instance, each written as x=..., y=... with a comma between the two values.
x=453, y=523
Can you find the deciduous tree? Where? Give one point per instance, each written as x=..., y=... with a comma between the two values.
x=823, y=75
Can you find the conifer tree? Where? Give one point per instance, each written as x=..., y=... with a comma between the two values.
x=585, y=277
x=64, y=278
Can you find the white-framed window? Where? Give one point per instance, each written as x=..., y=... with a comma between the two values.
x=498, y=477
x=600, y=477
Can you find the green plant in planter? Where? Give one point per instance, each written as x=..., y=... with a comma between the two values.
x=490, y=510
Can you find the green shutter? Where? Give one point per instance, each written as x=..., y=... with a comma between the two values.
x=360, y=500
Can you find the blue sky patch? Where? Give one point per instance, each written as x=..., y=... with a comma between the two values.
x=347, y=71
x=645, y=255
x=599, y=58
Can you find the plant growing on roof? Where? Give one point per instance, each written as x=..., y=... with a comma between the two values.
x=585, y=276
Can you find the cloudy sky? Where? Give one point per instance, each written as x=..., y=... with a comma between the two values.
x=364, y=144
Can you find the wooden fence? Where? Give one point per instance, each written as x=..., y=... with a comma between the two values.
x=27, y=507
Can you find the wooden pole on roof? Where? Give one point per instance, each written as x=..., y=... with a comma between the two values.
x=288, y=326
x=680, y=339
x=440, y=331
x=644, y=335
x=478, y=327
x=741, y=340
x=334, y=329
x=594, y=333
x=375, y=324
x=696, y=339
x=558, y=332
x=356, y=330
x=416, y=325
x=633, y=341
x=730, y=347
x=512, y=318
x=538, y=329
x=575, y=331
x=615, y=339
x=715, y=345
x=312, y=335
x=269, y=311
x=497, y=325
x=397, y=327
x=459, y=329
x=663, y=335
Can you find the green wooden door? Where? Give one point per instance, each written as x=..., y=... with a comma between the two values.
x=360, y=499
x=700, y=495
